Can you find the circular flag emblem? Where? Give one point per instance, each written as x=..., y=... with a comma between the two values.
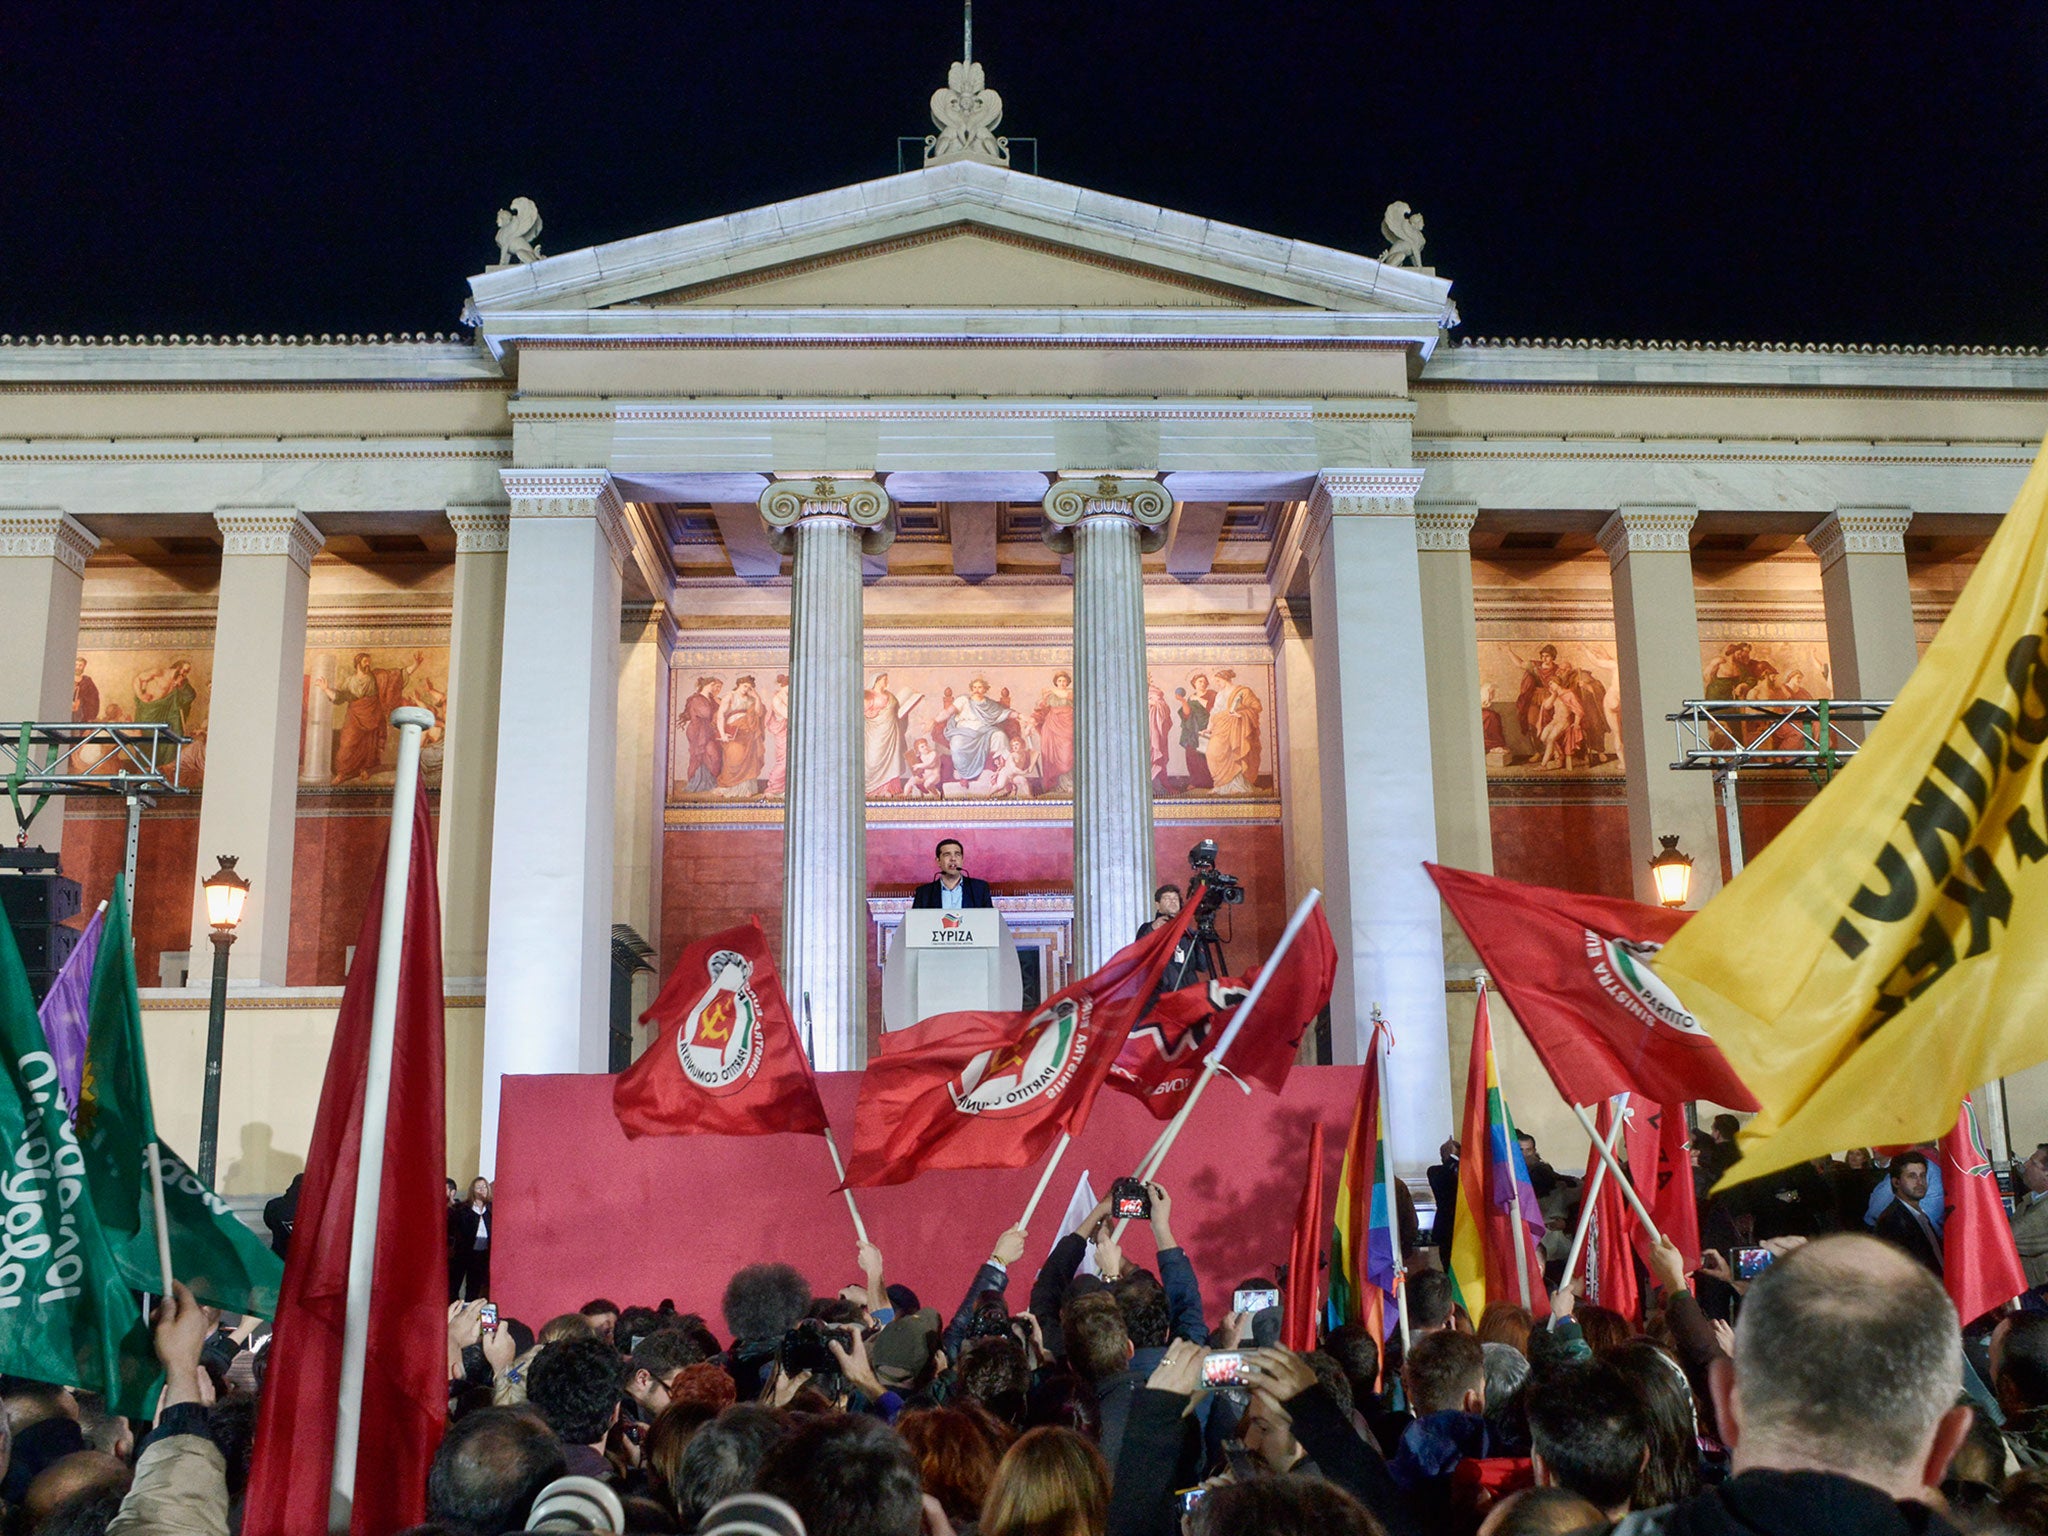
x=1014, y=1079
x=1622, y=968
x=719, y=1044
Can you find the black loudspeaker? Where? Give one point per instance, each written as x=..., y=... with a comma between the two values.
x=36, y=900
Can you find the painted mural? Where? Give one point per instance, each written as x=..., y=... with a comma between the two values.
x=957, y=732
x=1550, y=706
x=169, y=684
x=346, y=737
x=1738, y=668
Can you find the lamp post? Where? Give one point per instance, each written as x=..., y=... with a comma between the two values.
x=1672, y=873
x=226, y=893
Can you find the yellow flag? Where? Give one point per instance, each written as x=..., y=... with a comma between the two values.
x=1888, y=951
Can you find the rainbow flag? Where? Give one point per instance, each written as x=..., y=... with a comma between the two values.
x=1493, y=1188
x=1362, y=1269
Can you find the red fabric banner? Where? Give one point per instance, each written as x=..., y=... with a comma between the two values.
x=1577, y=972
x=1160, y=1062
x=726, y=1060
x=995, y=1090
x=405, y=1387
x=1660, y=1167
x=1610, y=1266
x=1980, y=1263
x=1300, y=1304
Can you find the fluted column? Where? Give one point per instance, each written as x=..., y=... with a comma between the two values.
x=547, y=988
x=1108, y=523
x=827, y=524
x=249, y=807
x=1457, y=743
x=1657, y=638
x=469, y=761
x=1872, y=649
x=42, y=579
x=1378, y=792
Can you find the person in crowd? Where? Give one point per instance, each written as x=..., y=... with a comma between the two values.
x=2030, y=1217
x=281, y=1213
x=722, y=1459
x=1542, y=1512
x=1671, y=1469
x=1839, y=1405
x=1052, y=1482
x=602, y=1315
x=1855, y=1177
x=1357, y=1354
x=462, y=1229
x=1507, y=1419
x=653, y=1369
x=491, y=1464
x=1445, y=1377
x=846, y=1475
x=1904, y=1223
x=762, y=1303
x=1724, y=1129
x=1284, y=1506
x=574, y=1387
x=1443, y=1188
x=2019, y=1378
x=1431, y=1302
x=957, y=1449
x=476, y=1274
x=1933, y=1205
x=1589, y=1432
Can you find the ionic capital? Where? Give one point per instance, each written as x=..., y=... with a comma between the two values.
x=481, y=530
x=591, y=493
x=1445, y=527
x=1142, y=502
x=863, y=503
x=1860, y=531
x=47, y=535
x=1648, y=530
x=269, y=531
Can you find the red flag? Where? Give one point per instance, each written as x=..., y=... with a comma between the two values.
x=726, y=1060
x=1576, y=971
x=1660, y=1167
x=1301, y=1304
x=405, y=1386
x=1980, y=1263
x=995, y=1090
x=1160, y=1062
x=1610, y=1265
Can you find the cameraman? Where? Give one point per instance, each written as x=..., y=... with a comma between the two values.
x=1190, y=959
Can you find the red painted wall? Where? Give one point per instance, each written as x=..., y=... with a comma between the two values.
x=1570, y=847
x=713, y=879
x=166, y=873
x=334, y=862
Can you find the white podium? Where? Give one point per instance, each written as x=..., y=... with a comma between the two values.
x=944, y=962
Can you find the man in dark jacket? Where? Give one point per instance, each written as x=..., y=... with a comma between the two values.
x=1839, y=1407
x=954, y=887
x=282, y=1214
x=462, y=1228
x=1903, y=1223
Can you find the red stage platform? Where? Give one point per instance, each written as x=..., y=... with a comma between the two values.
x=581, y=1211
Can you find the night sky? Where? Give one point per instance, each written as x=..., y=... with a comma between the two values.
x=1730, y=171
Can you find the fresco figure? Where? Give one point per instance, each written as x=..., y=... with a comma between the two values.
x=369, y=694
x=1233, y=750
x=1562, y=725
x=85, y=695
x=1195, y=700
x=1530, y=698
x=778, y=737
x=1054, y=721
x=1159, y=720
x=743, y=747
x=975, y=729
x=887, y=726
x=704, y=753
x=164, y=695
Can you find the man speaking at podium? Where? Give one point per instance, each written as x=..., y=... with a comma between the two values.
x=954, y=890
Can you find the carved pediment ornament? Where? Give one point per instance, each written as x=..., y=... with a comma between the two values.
x=966, y=113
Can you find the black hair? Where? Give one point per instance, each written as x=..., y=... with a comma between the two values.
x=1591, y=1430
x=722, y=1459
x=88, y=1512
x=664, y=1352
x=1441, y=1368
x=1147, y=1317
x=574, y=1386
x=847, y=1474
x=1357, y=1354
x=903, y=1299
x=599, y=1308
x=2023, y=1362
x=1429, y=1299
x=1169, y=886
x=944, y=842
x=489, y=1468
x=231, y=1424
x=1907, y=1160
x=1294, y=1505
x=764, y=1301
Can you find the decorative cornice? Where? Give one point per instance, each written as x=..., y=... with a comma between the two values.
x=47, y=535
x=269, y=531
x=1440, y=527
x=481, y=530
x=1071, y=502
x=1860, y=531
x=1364, y=493
x=825, y=498
x=591, y=493
x=1648, y=530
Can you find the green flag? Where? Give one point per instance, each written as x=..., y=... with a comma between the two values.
x=222, y=1261
x=66, y=1315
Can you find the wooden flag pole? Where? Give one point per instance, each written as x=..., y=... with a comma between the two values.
x=859, y=1227
x=1045, y=1178
x=1594, y=1179
x=1629, y=1190
x=1213, y=1062
x=411, y=721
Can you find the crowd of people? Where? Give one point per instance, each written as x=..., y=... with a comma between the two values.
x=1827, y=1394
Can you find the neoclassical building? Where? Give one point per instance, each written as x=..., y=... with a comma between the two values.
x=741, y=561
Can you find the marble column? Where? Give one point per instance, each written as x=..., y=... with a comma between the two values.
x=1378, y=792
x=469, y=762
x=827, y=524
x=1872, y=649
x=1108, y=524
x=1457, y=744
x=1657, y=635
x=647, y=638
x=42, y=579
x=249, y=806
x=547, y=994
x=1290, y=628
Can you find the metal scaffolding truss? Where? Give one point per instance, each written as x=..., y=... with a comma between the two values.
x=122, y=761
x=1725, y=736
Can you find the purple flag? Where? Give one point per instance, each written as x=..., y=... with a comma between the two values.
x=64, y=1012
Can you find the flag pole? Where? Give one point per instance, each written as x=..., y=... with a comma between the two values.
x=1045, y=1178
x=156, y=1146
x=1594, y=1179
x=1213, y=1062
x=860, y=1230
x=1380, y=1043
x=1635, y=1200
x=411, y=722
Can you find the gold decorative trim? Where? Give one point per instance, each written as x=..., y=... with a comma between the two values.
x=708, y=816
x=248, y=386
x=1665, y=389
x=258, y=456
x=323, y=997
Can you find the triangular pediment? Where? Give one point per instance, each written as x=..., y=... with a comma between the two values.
x=962, y=236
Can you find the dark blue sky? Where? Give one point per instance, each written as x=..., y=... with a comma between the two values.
x=1794, y=172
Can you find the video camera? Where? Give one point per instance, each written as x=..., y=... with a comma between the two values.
x=1217, y=888
x=805, y=1347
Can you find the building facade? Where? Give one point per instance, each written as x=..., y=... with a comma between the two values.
x=742, y=561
